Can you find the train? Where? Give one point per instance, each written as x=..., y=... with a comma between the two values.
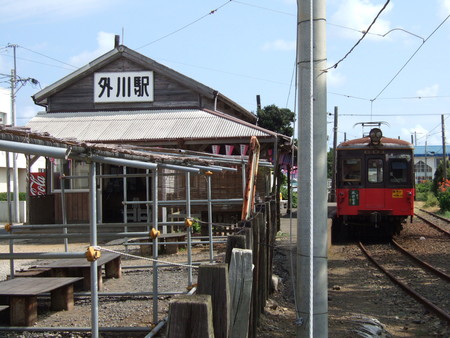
x=375, y=186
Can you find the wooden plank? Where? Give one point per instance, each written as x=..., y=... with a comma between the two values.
x=213, y=280
x=241, y=279
x=190, y=316
x=32, y=286
x=23, y=310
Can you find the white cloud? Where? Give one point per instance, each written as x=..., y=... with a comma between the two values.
x=428, y=91
x=280, y=45
x=19, y=10
x=105, y=43
x=359, y=14
x=445, y=8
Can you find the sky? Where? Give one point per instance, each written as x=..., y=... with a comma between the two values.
x=397, y=74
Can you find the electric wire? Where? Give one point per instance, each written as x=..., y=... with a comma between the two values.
x=185, y=26
x=358, y=42
x=411, y=57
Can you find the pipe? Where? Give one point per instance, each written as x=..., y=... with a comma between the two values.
x=189, y=229
x=93, y=242
x=157, y=328
x=155, y=247
x=210, y=230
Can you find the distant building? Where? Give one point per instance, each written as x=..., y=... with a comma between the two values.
x=426, y=161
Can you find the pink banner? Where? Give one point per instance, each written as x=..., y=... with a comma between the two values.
x=37, y=184
x=244, y=148
x=229, y=149
x=215, y=149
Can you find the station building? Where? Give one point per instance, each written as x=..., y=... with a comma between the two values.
x=126, y=98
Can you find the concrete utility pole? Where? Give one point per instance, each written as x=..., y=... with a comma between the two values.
x=444, y=152
x=13, y=123
x=312, y=163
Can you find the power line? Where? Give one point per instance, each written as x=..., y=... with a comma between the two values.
x=364, y=35
x=411, y=57
x=186, y=26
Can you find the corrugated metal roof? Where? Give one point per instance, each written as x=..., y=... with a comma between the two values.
x=143, y=125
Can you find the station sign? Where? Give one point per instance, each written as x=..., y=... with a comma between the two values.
x=110, y=87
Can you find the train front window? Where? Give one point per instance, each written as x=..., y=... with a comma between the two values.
x=375, y=170
x=398, y=171
x=351, y=171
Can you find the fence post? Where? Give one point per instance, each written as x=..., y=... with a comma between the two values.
x=241, y=279
x=234, y=241
x=213, y=280
x=190, y=316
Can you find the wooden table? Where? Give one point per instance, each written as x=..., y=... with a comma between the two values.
x=22, y=294
x=147, y=249
x=81, y=267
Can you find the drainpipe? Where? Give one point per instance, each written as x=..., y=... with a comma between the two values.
x=216, y=96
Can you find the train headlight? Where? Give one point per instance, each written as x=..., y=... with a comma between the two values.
x=375, y=136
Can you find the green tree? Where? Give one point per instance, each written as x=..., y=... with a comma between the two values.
x=276, y=119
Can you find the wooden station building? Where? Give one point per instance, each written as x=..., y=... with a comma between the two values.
x=126, y=98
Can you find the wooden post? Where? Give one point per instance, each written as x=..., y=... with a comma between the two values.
x=234, y=241
x=241, y=279
x=213, y=280
x=190, y=316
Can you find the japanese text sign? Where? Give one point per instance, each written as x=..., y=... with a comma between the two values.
x=123, y=87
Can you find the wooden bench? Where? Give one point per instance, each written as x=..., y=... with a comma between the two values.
x=32, y=272
x=81, y=267
x=146, y=249
x=22, y=294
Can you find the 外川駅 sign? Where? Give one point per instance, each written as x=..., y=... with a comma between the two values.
x=123, y=87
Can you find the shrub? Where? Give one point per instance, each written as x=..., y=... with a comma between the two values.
x=4, y=196
x=431, y=200
x=443, y=195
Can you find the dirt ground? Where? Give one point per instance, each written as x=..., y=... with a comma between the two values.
x=357, y=293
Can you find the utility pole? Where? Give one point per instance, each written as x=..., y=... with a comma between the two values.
x=312, y=288
x=444, y=152
x=16, y=213
x=333, y=175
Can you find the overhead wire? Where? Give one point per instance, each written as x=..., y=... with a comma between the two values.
x=185, y=26
x=358, y=42
x=411, y=57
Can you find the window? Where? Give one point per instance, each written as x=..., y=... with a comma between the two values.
x=375, y=170
x=351, y=171
x=70, y=168
x=398, y=171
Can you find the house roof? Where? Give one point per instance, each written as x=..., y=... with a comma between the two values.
x=42, y=96
x=146, y=125
x=431, y=151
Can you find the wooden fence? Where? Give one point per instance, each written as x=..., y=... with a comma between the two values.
x=235, y=294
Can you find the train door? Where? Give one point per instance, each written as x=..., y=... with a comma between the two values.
x=375, y=183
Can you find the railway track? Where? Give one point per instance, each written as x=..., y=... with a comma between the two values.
x=438, y=222
x=429, y=288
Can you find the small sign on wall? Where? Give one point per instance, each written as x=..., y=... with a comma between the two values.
x=123, y=87
x=38, y=184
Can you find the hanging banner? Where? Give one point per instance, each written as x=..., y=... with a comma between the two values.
x=229, y=149
x=244, y=148
x=215, y=149
x=37, y=184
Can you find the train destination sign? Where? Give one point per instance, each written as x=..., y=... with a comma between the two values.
x=123, y=87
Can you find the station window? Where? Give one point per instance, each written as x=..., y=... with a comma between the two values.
x=351, y=171
x=70, y=168
x=398, y=171
x=375, y=170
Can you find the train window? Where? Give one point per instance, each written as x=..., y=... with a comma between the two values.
x=398, y=171
x=375, y=170
x=351, y=171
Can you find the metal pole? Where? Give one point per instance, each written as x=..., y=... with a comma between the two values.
x=333, y=175
x=63, y=205
x=93, y=241
x=210, y=230
x=312, y=216
x=189, y=229
x=10, y=220
x=155, y=246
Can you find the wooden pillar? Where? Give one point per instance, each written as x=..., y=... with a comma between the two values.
x=213, y=280
x=190, y=316
x=241, y=278
x=234, y=241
